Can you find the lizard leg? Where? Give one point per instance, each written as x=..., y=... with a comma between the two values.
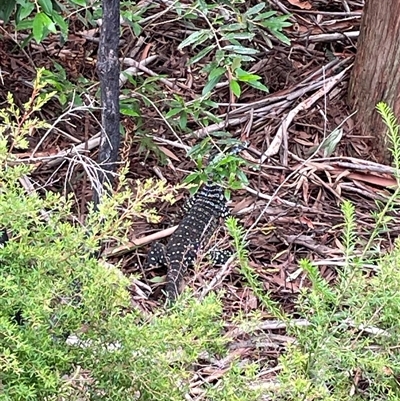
x=157, y=255
x=220, y=257
x=189, y=203
x=3, y=237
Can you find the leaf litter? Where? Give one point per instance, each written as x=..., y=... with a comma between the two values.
x=310, y=155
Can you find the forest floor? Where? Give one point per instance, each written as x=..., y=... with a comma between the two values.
x=292, y=205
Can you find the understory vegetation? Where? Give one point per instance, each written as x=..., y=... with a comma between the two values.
x=70, y=328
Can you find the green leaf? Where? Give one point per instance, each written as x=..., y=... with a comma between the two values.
x=178, y=8
x=220, y=56
x=6, y=9
x=236, y=63
x=38, y=27
x=242, y=177
x=331, y=141
x=25, y=11
x=264, y=16
x=255, y=9
x=183, y=120
x=233, y=27
x=240, y=49
x=245, y=76
x=127, y=111
x=191, y=178
x=239, y=36
x=41, y=25
x=198, y=151
x=280, y=36
x=258, y=85
x=62, y=23
x=173, y=112
x=235, y=185
x=217, y=72
x=249, y=78
x=79, y=2
x=47, y=6
x=197, y=38
x=210, y=103
x=137, y=29
x=25, y=24
x=246, y=58
x=221, y=134
x=235, y=87
x=227, y=194
x=210, y=85
x=277, y=23
x=201, y=54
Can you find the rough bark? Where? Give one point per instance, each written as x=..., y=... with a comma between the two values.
x=108, y=71
x=375, y=76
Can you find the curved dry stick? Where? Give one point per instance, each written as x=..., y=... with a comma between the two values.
x=273, y=149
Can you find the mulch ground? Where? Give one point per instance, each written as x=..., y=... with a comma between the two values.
x=291, y=208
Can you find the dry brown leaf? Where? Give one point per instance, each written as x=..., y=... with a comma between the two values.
x=243, y=204
x=168, y=153
x=305, y=5
x=305, y=220
x=373, y=179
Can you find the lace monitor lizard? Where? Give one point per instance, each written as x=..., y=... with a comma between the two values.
x=206, y=209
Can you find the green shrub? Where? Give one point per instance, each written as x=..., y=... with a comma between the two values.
x=348, y=350
x=53, y=291
x=51, y=288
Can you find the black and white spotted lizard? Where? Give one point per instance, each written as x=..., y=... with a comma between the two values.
x=207, y=208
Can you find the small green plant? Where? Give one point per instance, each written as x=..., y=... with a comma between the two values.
x=223, y=167
x=133, y=14
x=347, y=349
x=231, y=33
x=238, y=234
x=199, y=111
x=66, y=91
x=41, y=17
x=130, y=107
x=17, y=124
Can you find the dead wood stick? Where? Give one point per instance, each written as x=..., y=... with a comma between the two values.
x=281, y=134
x=332, y=37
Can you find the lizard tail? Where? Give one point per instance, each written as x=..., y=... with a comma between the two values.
x=173, y=286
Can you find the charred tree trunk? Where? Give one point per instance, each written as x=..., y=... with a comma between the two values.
x=376, y=73
x=108, y=71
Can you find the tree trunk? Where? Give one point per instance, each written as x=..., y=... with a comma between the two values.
x=108, y=71
x=376, y=72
